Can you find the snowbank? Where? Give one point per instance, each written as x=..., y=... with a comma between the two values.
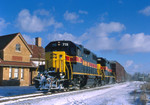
x=119, y=94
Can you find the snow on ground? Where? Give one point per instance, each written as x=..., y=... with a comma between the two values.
x=6, y=91
x=120, y=94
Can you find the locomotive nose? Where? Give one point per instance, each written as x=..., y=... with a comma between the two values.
x=56, y=60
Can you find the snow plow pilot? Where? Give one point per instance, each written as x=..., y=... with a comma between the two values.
x=42, y=80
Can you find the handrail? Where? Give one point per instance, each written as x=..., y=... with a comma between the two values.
x=67, y=70
x=114, y=75
x=37, y=68
x=71, y=70
x=103, y=74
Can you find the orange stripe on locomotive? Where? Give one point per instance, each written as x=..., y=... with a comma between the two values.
x=80, y=60
x=106, y=68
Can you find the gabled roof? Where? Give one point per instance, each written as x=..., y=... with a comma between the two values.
x=38, y=52
x=6, y=39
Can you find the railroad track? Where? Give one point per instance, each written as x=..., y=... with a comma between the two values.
x=14, y=99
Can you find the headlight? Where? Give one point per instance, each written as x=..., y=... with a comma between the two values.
x=61, y=74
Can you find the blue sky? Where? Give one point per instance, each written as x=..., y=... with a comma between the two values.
x=114, y=29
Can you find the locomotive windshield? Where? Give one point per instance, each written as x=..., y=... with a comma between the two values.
x=101, y=61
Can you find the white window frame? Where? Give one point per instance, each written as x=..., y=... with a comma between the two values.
x=22, y=73
x=10, y=72
x=16, y=72
x=18, y=47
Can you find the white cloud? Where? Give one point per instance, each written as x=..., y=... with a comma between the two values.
x=72, y=17
x=3, y=24
x=28, y=39
x=98, y=37
x=128, y=63
x=29, y=23
x=132, y=67
x=103, y=29
x=101, y=43
x=83, y=12
x=64, y=36
x=145, y=11
x=34, y=23
x=136, y=66
x=134, y=43
x=52, y=22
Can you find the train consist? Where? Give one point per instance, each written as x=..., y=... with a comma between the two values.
x=69, y=65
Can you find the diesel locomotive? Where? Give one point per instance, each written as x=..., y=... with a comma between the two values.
x=69, y=65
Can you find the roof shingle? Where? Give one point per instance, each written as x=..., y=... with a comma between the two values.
x=4, y=40
x=38, y=52
x=16, y=64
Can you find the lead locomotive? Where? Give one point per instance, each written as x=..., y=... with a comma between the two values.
x=69, y=65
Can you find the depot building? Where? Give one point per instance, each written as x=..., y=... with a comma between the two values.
x=19, y=61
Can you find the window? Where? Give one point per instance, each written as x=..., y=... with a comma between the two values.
x=16, y=73
x=10, y=73
x=73, y=51
x=17, y=47
x=86, y=51
x=22, y=73
x=94, y=57
x=78, y=52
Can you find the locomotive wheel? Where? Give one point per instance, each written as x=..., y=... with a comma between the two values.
x=103, y=82
x=107, y=80
x=99, y=81
x=66, y=84
x=80, y=80
x=83, y=81
x=37, y=84
x=66, y=90
x=95, y=82
x=114, y=81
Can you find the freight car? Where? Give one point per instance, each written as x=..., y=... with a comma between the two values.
x=118, y=69
x=69, y=65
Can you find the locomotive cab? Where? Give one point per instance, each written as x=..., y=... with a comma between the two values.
x=106, y=70
x=55, y=57
x=59, y=59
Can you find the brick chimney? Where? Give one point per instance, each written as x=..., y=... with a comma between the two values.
x=38, y=41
